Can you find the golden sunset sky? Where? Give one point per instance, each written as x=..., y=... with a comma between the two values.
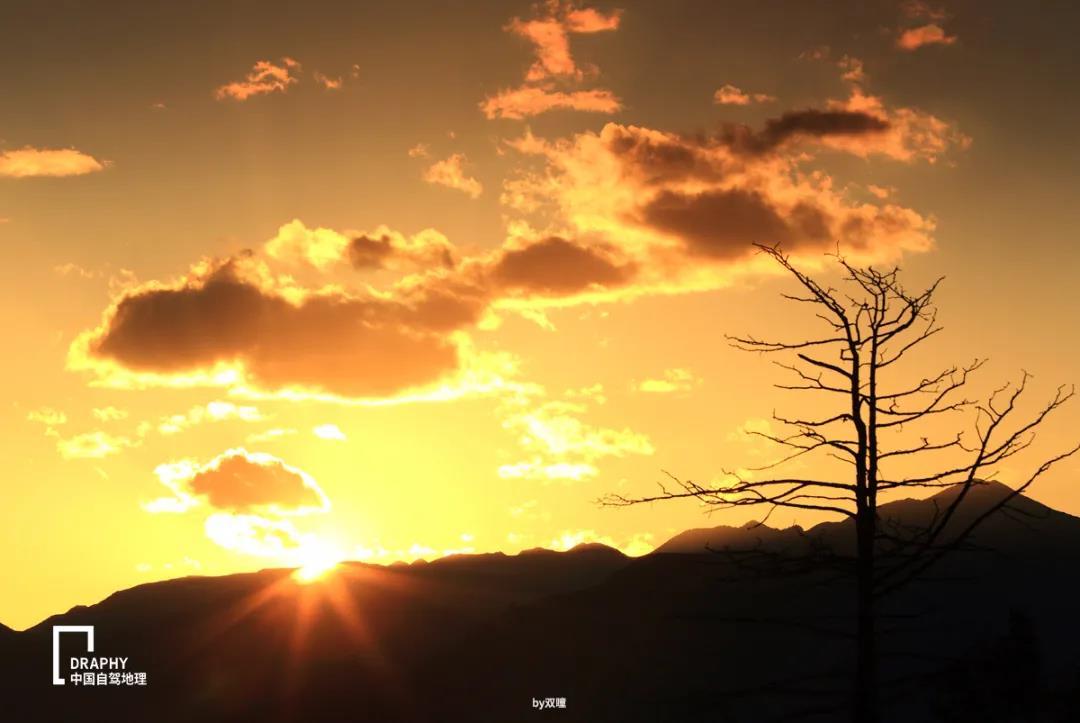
x=383, y=281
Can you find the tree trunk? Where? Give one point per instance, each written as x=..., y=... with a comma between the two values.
x=866, y=666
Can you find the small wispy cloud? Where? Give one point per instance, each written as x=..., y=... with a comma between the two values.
x=672, y=380
x=93, y=445
x=29, y=162
x=450, y=172
x=327, y=82
x=930, y=34
x=109, y=414
x=732, y=95
x=265, y=77
x=216, y=411
x=329, y=431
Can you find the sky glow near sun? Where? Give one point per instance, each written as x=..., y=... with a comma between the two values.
x=339, y=294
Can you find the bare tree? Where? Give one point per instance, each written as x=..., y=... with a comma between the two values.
x=869, y=327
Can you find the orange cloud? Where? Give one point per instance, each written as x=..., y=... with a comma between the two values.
x=853, y=69
x=731, y=95
x=684, y=211
x=294, y=243
x=911, y=134
x=240, y=482
x=382, y=248
x=265, y=77
x=253, y=498
x=931, y=34
x=387, y=249
x=591, y=20
x=526, y=101
x=554, y=65
x=641, y=211
x=549, y=36
x=905, y=134
x=43, y=162
x=450, y=172
x=327, y=82
x=548, y=266
x=551, y=45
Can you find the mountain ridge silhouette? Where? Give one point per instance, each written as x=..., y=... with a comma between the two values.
x=479, y=637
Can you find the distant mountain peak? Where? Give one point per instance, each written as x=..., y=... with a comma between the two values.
x=981, y=496
x=583, y=547
x=749, y=535
x=595, y=547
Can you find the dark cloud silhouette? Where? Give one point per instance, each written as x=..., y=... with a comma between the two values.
x=810, y=123
x=330, y=341
x=661, y=158
x=378, y=252
x=327, y=341
x=658, y=158
x=366, y=252
x=555, y=266
x=724, y=223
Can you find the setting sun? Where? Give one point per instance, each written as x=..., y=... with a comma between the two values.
x=316, y=568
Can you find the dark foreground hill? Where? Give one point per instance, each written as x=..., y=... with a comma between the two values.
x=687, y=635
